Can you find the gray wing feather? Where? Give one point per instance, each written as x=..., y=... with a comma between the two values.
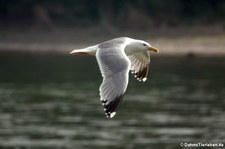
x=114, y=66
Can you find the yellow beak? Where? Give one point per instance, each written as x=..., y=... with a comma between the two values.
x=153, y=49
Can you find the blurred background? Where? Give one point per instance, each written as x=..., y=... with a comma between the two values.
x=63, y=25
x=50, y=100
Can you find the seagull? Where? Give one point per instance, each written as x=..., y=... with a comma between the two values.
x=116, y=57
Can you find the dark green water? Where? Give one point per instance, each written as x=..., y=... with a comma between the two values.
x=52, y=102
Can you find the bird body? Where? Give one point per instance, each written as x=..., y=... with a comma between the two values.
x=116, y=58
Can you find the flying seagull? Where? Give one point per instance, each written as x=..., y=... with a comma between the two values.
x=116, y=57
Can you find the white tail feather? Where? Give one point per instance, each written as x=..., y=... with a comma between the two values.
x=89, y=50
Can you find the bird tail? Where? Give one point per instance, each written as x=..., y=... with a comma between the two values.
x=85, y=51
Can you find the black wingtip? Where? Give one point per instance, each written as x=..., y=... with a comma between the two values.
x=110, y=108
x=142, y=74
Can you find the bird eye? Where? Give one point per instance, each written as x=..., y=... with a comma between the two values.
x=144, y=44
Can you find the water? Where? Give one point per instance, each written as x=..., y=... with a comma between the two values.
x=52, y=102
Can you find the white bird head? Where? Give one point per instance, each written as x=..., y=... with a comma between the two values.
x=139, y=46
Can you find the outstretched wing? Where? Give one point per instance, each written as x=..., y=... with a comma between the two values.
x=140, y=65
x=114, y=66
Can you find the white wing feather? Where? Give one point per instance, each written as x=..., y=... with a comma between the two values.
x=140, y=65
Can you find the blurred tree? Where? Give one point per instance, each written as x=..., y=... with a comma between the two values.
x=111, y=12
